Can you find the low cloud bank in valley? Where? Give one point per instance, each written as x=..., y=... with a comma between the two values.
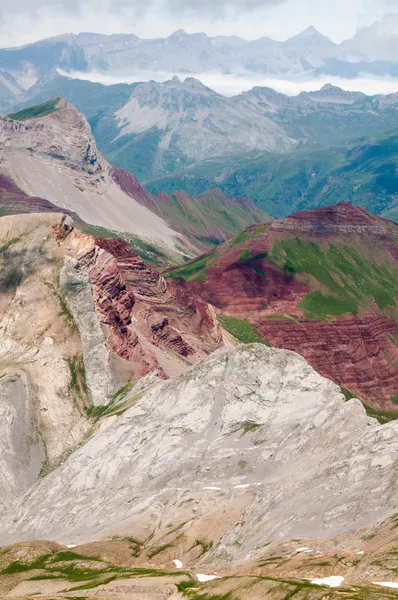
x=229, y=85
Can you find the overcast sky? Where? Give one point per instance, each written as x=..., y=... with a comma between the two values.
x=24, y=21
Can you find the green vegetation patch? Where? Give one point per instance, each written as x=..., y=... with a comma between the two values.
x=66, y=556
x=248, y=234
x=348, y=395
x=242, y=330
x=35, y=112
x=78, y=381
x=123, y=391
x=52, y=566
x=194, y=270
x=382, y=416
x=10, y=242
x=65, y=311
x=319, y=306
x=352, y=281
x=204, y=546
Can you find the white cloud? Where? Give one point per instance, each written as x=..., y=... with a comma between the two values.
x=230, y=85
x=26, y=21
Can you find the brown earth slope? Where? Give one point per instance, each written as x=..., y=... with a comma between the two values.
x=323, y=283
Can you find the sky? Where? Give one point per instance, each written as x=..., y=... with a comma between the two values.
x=25, y=21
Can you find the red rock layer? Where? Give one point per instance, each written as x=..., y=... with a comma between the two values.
x=143, y=312
x=360, y=354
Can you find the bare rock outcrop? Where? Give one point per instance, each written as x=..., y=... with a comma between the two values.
x=249, y=446
x=55, y=157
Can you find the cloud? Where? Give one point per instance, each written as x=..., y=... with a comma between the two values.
x=216, y=8
x=230, y=85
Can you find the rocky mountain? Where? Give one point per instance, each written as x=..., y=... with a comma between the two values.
x=322, y=283
x=207, y=220
x=82, y=319
x=148, y=128
x=48, y=152
x=215, y=470
x=306, y=53
x=160, y=460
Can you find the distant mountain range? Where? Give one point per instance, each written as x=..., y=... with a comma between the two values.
x=373, y=49
x=286, y=153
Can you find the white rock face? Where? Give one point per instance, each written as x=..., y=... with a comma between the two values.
x=76, y=286
x=21, y=448
x=257, y=417
x=42, y=413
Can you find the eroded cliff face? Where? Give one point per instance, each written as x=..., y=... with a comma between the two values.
x=150, y=322
x=323, y=283
x=80, y=317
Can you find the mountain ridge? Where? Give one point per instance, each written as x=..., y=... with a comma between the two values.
x=54, y=138
x=310, y=283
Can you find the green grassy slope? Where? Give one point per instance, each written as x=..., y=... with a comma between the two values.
x=210, y=219
x=35, y=112
x=346, y=278
x=363, y=173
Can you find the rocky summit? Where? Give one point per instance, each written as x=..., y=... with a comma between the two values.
x=207, y=475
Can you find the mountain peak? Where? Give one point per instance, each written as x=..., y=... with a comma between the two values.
x=179, y=33
x=311, y=33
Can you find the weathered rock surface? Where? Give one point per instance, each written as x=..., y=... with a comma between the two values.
x=152, y=323
x=80, y=317
x=249, y=446
x=339, y=252
x=56, y=157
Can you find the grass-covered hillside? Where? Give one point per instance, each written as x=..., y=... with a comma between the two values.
x=35, y=112
x=363, y=173
x=210, y=219
x=323, y=283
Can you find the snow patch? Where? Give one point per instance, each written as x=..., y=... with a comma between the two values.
x=212, y=488
x=390, y=584
x=333, y=581
x=70, y=545
x=203, y=578
x=304, y=549
x=177, y=564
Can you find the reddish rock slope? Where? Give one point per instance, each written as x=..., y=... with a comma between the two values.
x=210, y=219
x=323, y=283
x=150, y=322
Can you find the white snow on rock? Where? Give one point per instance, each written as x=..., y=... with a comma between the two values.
x=203, y=578
x=333, y=581
x=389, y=584
x=304, y=549
x=177, y=564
